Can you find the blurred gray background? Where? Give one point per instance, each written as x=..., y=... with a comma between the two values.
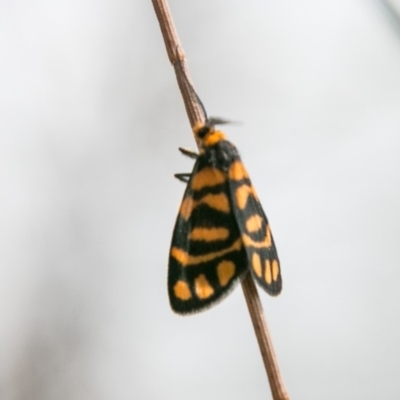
x=90, y=122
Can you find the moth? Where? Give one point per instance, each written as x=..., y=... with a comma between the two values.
x=221, y=231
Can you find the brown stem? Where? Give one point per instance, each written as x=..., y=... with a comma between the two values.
x=264, y=339
x=177, y=57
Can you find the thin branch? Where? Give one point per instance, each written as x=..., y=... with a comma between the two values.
x=177, y=57
x=276, y=383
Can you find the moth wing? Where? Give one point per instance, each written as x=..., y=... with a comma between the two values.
x=255, y=231
x=207, y=257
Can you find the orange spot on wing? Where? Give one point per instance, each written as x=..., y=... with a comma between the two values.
x=242, y=193
x=225, y=271
x=182, y=291
x=202, y=287
x=218, y=201
x=256, y=264
x=180, y=255
x=207, y=177
x=254, y=223
x=267, y=239
x=186, y=207
x=267, y=242
x=185, y=259
x=275, y=270
x=237, y=171
x=267, y=276
x=209, y=234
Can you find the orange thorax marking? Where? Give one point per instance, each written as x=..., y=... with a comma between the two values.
x=213, y=138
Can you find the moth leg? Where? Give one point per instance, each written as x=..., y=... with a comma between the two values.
x=188, y=153
x=183, y=177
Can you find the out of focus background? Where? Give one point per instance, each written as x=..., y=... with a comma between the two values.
x=90, y=122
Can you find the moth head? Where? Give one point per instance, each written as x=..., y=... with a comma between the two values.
x=206, y=134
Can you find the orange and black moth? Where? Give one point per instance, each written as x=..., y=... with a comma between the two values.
x=221, y=231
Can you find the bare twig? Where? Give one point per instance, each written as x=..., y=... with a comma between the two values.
x=264, y=339
x=177, y=57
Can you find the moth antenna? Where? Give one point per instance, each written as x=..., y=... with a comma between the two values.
x=222, y=121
